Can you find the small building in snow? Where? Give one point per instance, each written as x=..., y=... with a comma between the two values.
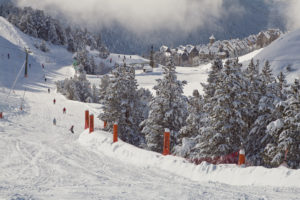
x=147, y=68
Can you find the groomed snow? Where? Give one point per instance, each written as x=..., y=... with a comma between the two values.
x=41, y=161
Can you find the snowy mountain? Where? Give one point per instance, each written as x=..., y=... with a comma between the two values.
x=241, y=18
x=256, y=16
x=39, y=160
x=283, y=55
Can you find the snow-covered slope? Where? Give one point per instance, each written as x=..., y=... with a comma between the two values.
x=283, y=55
x=41, y=161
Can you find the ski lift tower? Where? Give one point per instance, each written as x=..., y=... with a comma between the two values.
x=27, y=51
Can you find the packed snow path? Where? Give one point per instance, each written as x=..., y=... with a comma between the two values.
x=41, y=161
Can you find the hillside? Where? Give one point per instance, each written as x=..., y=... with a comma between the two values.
x=283, y=55
x=240, y=19
x=41, y=161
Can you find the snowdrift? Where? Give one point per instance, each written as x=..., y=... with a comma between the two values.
x=101, y=142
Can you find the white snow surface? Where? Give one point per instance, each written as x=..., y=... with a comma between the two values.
x=41, y=161
x=282, y=53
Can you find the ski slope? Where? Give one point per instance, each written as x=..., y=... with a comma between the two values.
x=41, y=161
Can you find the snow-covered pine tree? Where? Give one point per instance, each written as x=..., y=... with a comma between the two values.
x=168, y=109
x=95, y=94
x=226, y=128
x=285, y=132
x=121, y=105
x=145, y=97
x=213, y=79
x=269, y=92
x=92, y=67
x=77, y=88
x=267, y=74
x=82, y=86
x=187, y=134
x=191, y=147
x=83, y=59
x=103, y=88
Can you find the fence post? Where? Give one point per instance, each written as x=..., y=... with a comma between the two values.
x=241, y=157
x=87, y=121
x=115, y=132
x=166, y=150
x=91, y=123
x=104, y=124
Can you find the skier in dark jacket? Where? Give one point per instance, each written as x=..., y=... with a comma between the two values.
x=72, y=129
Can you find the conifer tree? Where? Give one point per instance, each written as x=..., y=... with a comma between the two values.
x=226, y=128
x=103, y=87
x=121, y=105
x=285, y=133
x=152, y=57
x=167, y=109
x=270, y=95
x=187, y=133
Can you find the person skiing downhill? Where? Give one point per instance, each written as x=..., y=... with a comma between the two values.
x=64, y=111
x=54, y=121
x=72, y=129
x=54, y=101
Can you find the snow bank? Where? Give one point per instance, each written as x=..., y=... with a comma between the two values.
x=101, y=142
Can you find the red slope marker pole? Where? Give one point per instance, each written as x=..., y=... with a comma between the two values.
x=87, y=121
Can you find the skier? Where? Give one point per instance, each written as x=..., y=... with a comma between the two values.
x=8, y=56
x=54, y=121
x=64, y=111
x=43, y=66
x=29, y=65
x=48, y=90
x=54, y=101
x=45, y=79
x=72, y=129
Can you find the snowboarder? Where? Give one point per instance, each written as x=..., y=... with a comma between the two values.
x=43, y=66
x=8, y=56
x=45, y=79
x=64, y=111
x=72, y=129
x=54, y=121
x=54, y=101
x=48, y=90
